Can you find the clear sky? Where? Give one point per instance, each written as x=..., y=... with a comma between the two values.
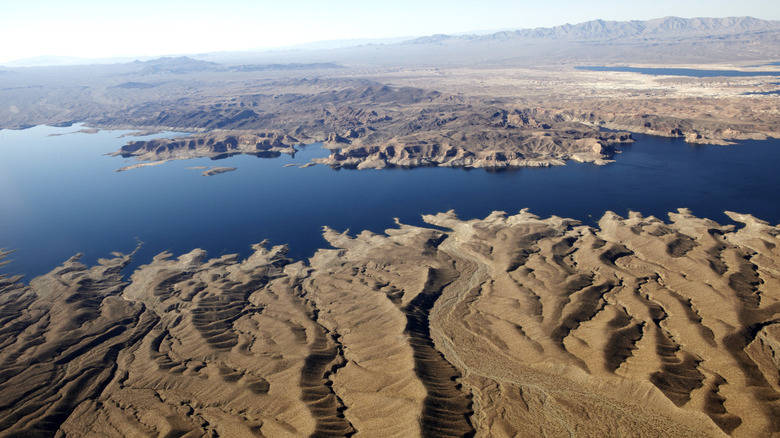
x=110, y=28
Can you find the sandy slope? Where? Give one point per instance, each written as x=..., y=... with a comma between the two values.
x=506, y=326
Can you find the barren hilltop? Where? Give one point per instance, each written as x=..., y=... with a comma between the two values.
x=511, y=325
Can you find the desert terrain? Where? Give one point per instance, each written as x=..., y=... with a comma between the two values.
x=509, y=325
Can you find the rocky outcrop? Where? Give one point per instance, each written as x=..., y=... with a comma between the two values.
x=212, y=145
x=718, y=131
x=499, y=326
x=490, y=148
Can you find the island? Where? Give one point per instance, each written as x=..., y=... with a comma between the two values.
x=211, y=171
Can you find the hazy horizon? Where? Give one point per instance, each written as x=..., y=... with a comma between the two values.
x=91, y=29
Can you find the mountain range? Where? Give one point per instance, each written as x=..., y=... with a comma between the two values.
x=733, y=37
x=660, y=28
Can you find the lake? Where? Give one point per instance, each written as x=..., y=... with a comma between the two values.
x=60, y=195
x=690, y=72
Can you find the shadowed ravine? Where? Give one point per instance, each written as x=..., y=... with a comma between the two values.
x=446, y=409
x=316, y=388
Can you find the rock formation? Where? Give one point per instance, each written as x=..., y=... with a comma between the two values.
x=485, y=148
x=704, y=130
x=213, y=145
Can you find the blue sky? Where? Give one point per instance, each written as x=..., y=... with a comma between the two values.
x=108, y=28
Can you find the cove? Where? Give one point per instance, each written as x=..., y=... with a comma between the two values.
x=61, y=195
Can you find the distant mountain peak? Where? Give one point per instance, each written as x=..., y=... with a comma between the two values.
x=177, y=65
x=177, y=60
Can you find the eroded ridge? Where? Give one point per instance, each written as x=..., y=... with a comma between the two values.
x=503, y=326
x=324, y=359
x=446, y=409
x=188, y=347
x=59, y=341
x=670, y=321
x=387, y=286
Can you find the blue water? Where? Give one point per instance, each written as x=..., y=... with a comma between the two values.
x=61, y=195
x=761, y=93
x=690, y=72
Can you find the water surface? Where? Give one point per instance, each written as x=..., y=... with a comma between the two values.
x=690, y=72
x=61, y=195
